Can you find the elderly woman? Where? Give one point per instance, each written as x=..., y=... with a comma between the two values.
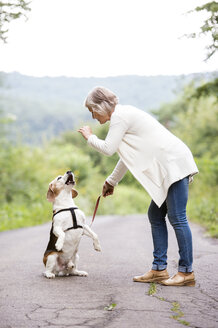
x=163, y=165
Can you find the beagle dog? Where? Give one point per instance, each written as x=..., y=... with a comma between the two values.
x=68, y=225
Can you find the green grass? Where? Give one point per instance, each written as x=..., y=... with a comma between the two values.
x=110, y=307
x=161, y=298
x=178, y=314
x=14, y=215
x=152, y=289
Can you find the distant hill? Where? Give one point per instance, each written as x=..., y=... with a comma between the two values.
x=46, y=106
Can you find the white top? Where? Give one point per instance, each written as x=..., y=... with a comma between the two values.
x=153, y=154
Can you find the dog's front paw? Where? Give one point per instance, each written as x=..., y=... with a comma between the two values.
x=70, y=265
x=97, y=247
x=59, y=245
x=79, y=273
x=49, y=275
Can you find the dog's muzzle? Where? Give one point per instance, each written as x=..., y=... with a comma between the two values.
x=70, y=178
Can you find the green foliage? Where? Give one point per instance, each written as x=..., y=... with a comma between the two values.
x=110, y=307
x=193, y=119
x=17, y=215
x=198, y=126
x=209, y=26
x=203, y=204
x=126, y=200
x=178, y=314
x=22, y=185
x=152, y=289
x=11, y=10
x=207, y=89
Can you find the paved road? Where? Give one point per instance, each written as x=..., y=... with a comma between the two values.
x=30, y=300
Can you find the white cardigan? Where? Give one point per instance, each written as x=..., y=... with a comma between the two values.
x=153, y=154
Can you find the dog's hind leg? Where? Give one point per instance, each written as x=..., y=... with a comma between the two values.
x=74, y=271
x=50, y=266
x=88, y=232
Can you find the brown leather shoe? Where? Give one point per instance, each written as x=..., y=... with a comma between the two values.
x=180, y=279
x=152, y=276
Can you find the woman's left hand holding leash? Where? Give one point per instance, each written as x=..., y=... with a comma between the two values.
x=86, y=131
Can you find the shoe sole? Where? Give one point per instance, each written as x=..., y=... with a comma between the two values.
x=185, y=283
x=151, y=280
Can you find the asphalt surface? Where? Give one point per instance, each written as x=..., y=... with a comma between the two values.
x=28, y=299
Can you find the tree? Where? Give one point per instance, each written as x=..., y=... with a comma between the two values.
x=193, y=118
x=10, y=10
x=207, y=89
x=210, y=27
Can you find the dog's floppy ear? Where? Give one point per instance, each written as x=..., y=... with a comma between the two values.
x=50, y=194
x=74, y=193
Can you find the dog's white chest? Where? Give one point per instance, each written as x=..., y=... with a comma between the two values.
x=72, y=240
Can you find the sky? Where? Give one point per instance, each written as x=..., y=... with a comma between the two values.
x=99, y=38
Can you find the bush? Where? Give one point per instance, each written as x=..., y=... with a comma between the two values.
x=203, y=203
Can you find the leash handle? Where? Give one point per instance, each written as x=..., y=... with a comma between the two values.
x=96, y=208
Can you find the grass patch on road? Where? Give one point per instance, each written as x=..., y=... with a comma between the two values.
x=178, y=314
x=152, y=289
x=110, y=307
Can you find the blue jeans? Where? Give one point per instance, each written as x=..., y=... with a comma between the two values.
x=175, y=208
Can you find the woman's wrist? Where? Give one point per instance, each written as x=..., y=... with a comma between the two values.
x=110, y=185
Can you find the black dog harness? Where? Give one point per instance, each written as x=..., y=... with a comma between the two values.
x=53, y=239
x=71, y=209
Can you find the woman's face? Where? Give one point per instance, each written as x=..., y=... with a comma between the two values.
x=101, y=118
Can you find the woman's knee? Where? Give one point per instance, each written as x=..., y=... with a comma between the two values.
x=178, y=219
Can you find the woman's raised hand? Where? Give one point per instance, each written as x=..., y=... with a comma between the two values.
x=86, y=131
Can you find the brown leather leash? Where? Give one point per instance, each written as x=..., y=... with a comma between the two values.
x=96, y=208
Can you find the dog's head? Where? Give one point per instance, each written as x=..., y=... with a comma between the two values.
x=65, y=182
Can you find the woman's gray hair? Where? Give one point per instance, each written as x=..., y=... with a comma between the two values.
x=101, y=100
